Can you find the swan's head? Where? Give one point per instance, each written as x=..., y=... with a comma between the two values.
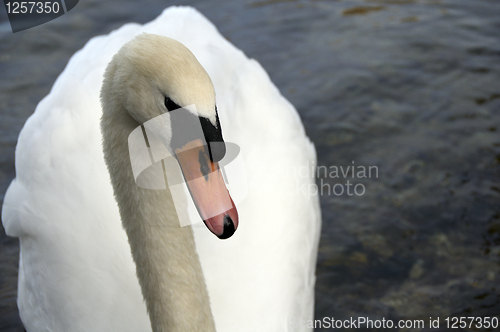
x=155, y=77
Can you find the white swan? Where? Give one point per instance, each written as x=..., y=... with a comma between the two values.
x=76, y=271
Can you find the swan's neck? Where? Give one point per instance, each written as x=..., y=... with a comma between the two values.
x=167, y=263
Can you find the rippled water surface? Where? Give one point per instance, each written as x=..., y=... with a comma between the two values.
x=409, y=87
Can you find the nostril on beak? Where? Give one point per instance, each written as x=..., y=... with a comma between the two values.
x=228, y=228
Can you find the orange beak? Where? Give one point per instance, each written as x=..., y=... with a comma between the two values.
x=207, y=188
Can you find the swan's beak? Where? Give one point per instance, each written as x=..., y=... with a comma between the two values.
x=208, y=190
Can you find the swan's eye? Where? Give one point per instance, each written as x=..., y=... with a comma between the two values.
x=170, y=105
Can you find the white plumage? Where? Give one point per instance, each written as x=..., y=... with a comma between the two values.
x=76, y=272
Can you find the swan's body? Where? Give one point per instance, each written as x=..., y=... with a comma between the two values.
x=76, y=271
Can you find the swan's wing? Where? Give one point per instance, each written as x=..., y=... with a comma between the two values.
x=269, y=264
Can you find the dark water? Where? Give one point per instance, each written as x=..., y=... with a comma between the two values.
x=411, y=87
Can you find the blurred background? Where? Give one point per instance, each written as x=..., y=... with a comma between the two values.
x=409, y=86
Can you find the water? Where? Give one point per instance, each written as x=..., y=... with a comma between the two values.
x=407, y=86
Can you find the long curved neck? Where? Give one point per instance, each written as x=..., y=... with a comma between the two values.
x=168, y=266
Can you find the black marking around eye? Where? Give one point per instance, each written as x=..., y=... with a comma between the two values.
x=184, y=125
x=213, y=137
x=204, y=165
x=170, y=105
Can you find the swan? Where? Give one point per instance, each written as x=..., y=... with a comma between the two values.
x=98, y=253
